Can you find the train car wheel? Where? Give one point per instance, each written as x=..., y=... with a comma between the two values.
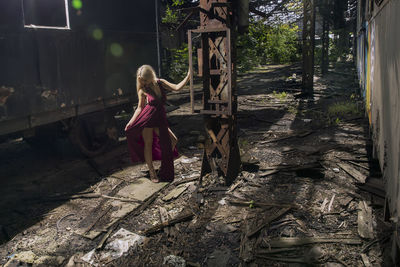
x=94, y=134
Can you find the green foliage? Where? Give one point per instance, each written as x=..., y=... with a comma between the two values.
x=282, y=43
x=280, y=96
x=343, y=108
x=178, y=2
x=176, y=65
x=171, y=16
x=340, y=110
x=265, y=44
x=251, y=204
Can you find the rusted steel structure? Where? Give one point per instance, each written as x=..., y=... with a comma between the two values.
x=378, y=64
x=71, y=65
x=216, y=59
x=308, y=46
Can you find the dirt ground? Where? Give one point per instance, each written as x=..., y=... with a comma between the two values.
x=309, y=191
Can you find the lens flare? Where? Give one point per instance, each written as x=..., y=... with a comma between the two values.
x=97, y=34
x=77, y=4
x=116, y=50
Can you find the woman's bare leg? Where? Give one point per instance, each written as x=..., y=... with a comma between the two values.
x=148, y=156
x=174, y=139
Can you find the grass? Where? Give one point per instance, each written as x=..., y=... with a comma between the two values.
x=338, y=111
x=342, y=109
x=293, y=109
x=280, y=96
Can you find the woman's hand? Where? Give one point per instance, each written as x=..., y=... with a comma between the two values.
x=188, y=73
x=128, y=125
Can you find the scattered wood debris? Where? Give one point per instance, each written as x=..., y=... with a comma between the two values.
x=353, y=172
x=364, y=220
x=180, y=218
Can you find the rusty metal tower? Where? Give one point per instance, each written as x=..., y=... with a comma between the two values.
x=216, y=66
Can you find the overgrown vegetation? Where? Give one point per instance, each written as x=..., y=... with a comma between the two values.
x=175, y=65
x=265, y=44
x=341, y=109
x=170, y=16
x=281, y=96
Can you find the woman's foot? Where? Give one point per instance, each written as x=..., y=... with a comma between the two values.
x=154, y=178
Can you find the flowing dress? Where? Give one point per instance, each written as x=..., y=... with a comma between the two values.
x=153, y=115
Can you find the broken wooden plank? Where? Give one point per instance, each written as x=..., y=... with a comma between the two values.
x=176, y=192
x=359, y=165
x=365, y=260
x=247, y=245
x=144, y=206
x=180, y=218
x=101, y=215
x=217, y=188
x=353, y=172
x=185, y=181
x=164, y=217
x=259, y=204
x=364, y=220
x=331, y=203
x=287, y=242
x=274, y=216
x=104, y=239
x=269, y=172
x=291, y=260
x=323, y=205
x=122, y=199
x=354, y=159
x=277, y=139
x=275, y=251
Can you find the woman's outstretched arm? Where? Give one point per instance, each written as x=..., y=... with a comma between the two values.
x=176, y=87
x=141, y=103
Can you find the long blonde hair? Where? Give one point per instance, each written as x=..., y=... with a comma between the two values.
x=147, y=73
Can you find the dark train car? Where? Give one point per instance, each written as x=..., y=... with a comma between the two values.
x=70, y=64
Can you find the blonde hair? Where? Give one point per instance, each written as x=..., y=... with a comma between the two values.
x=147, y=73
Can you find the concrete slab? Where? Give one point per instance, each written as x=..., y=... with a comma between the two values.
x=141, y=189
x=128, y=172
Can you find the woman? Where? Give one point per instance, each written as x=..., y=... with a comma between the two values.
x=148, y=134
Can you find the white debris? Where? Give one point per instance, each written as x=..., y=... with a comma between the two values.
x=336, y=170
x=189, y=160
x=222, y=202
x=120, y=243
x=176, y=261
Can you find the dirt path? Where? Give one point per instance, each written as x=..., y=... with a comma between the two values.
x=297, y=201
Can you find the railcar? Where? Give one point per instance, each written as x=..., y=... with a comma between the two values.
x=69, y=66
x=378, y=64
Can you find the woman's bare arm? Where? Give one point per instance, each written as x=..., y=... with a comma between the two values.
x=141, y=104
x=176, y=87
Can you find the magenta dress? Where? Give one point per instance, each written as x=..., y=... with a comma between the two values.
x=153, y=115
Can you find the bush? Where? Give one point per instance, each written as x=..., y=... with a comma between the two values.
x=176, y=63
x=265, y=44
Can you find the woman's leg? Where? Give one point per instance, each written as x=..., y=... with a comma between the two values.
x=148, y=156
x=174, y=139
